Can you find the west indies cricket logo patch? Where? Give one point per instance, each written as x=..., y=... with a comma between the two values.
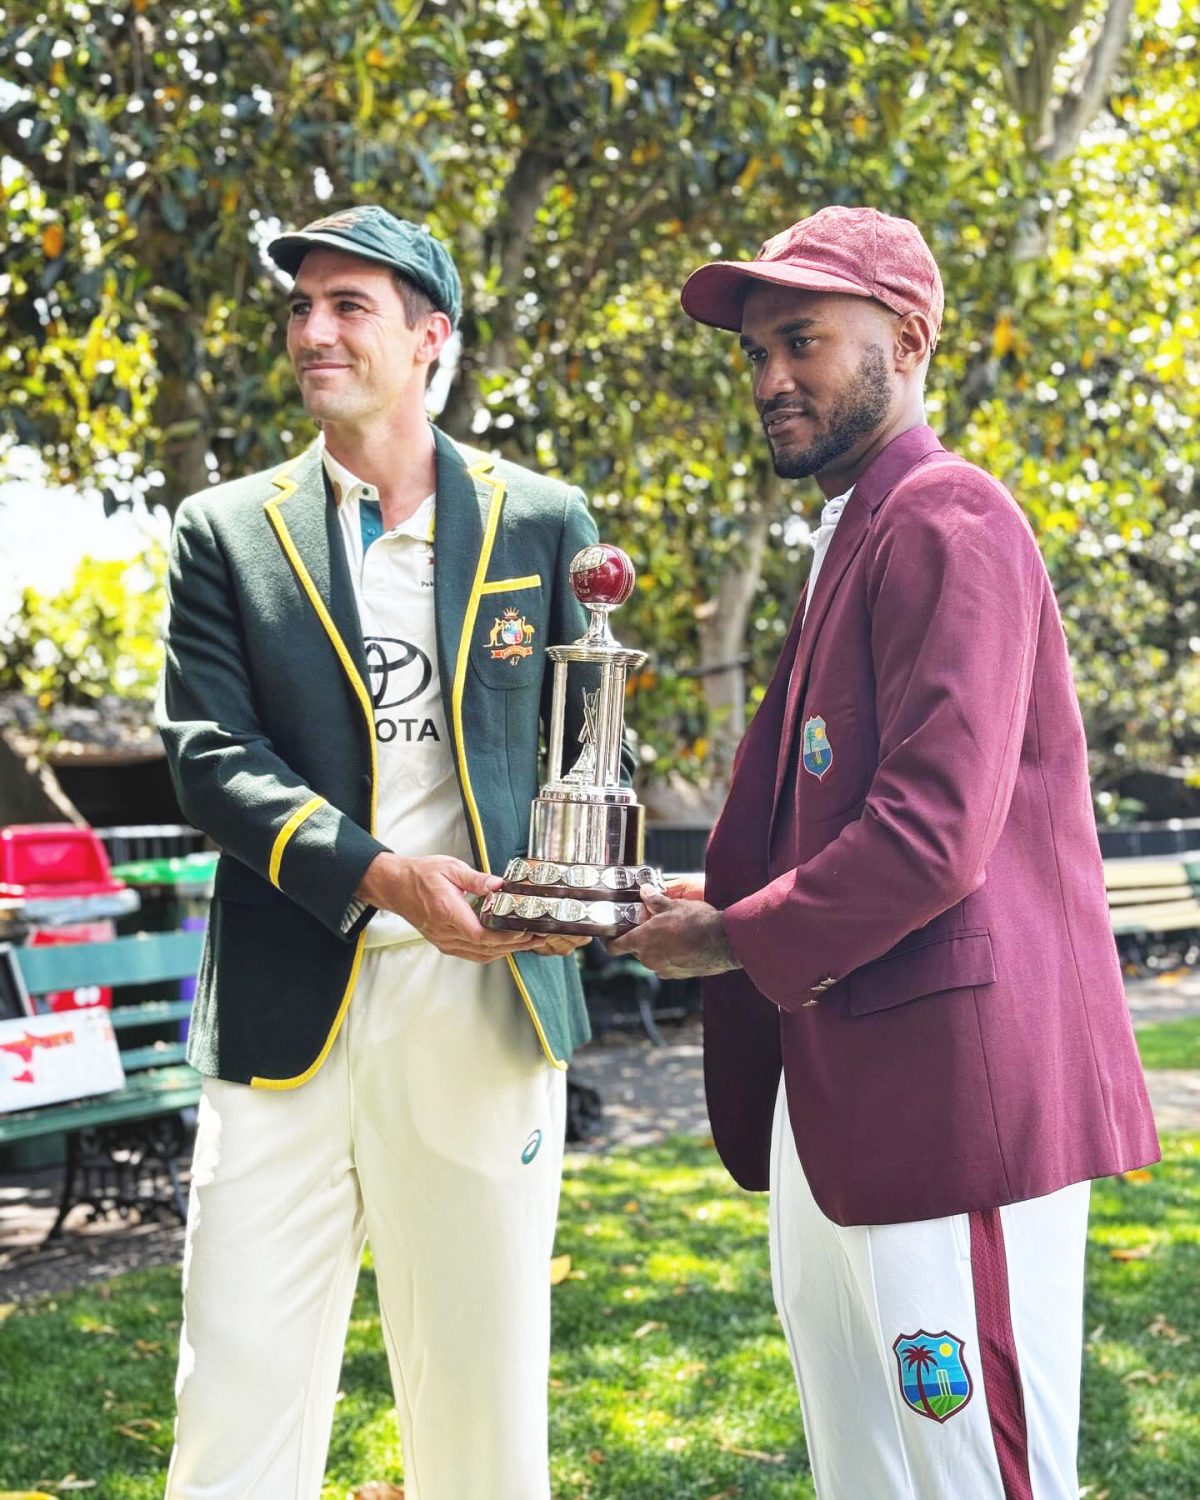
x=818, y=752
x=510, y=637
x=933, y=1376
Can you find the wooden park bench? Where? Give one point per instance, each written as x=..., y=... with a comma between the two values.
x=1152, y=899
x=122, y=1148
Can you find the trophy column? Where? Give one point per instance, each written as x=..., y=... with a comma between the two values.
x=586, y=832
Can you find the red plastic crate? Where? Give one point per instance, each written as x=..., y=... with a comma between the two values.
x=40, y=860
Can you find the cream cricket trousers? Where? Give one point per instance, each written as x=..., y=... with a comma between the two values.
x=938, y=1360
x=434, y=1132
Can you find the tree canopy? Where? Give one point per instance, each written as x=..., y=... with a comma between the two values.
x=581, y=156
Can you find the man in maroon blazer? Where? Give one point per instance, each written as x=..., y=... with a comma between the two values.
x=904, y=914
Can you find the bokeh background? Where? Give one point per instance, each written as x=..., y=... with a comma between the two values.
x=581, y=158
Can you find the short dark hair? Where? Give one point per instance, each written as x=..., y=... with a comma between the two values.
x=417, y=303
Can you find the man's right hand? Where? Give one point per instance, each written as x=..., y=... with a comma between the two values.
x=431, y=892
x=685, y=888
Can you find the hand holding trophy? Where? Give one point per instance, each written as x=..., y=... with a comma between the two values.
x=586, y=834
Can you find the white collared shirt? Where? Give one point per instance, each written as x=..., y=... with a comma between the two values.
x=831, y=514
x=419, y=810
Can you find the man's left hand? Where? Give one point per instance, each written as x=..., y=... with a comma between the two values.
x=679, y=939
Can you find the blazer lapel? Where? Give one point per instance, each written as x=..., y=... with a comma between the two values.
x=302, y=513
x=470, y=500
x=901, y=455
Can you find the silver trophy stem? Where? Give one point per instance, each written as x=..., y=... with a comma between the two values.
x=558, y=713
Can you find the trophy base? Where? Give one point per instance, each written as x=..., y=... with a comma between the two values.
x=581, y=900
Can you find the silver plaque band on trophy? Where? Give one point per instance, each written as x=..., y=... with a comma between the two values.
x=586, y=832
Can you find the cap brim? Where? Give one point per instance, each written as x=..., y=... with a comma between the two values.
x=715, y=293
x=290, y=249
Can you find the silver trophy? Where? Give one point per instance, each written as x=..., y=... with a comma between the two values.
x=586, y=834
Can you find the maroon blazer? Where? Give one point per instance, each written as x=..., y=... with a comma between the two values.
x=909, y=841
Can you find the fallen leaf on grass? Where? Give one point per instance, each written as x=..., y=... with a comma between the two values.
x=1131, y=1252
x=138, y=1428
x=1161, y=1329
x=560, y=1269
x=640, y=1333
x=1139, y=1174
x=1148, y=1376
x=761, y=1458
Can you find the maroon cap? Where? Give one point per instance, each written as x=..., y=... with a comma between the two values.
x=858, y=251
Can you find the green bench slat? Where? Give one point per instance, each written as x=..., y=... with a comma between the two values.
x=149, y=1013
x=160, y=1092
x=158, y=1080
x=156, y=1055
x=1152, y=895
x=1175, y=916
x=1119, y=873
x=145, y=958
x=1149, y=895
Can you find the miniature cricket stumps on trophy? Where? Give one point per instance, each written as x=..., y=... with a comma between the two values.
x=585, y=861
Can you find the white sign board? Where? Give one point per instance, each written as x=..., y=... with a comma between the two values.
x=67, y=1055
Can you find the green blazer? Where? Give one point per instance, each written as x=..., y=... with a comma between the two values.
x=267, y=720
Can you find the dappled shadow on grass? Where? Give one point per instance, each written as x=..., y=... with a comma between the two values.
x=1141, y=1392
x=671, y=1377
x=86, y=1387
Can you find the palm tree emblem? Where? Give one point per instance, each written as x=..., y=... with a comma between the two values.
x=921, y=1358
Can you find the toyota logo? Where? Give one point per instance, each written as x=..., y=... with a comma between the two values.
x=399, y=671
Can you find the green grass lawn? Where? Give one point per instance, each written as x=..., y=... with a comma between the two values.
x=671, y=1379
x=1170, y=1044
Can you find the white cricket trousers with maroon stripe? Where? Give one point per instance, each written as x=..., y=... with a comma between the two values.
x=1007, y=1283
x=420, y=1135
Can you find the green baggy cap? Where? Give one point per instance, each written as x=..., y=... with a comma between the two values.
x=375, y=234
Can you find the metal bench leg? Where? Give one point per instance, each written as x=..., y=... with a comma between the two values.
x=178, y=1201
x=66, y=1201
x=647, y=995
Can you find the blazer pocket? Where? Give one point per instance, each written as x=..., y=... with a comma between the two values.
x=508, y=644
x=235, y=881
x=964, y=961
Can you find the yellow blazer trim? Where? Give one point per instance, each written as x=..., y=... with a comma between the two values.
x=286, y=832
x=480, y=471
x=511, y=585
x=294, y=1083
x=286, y=486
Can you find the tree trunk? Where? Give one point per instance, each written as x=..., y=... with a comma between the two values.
x=1051, y=127
x=508, y=243
x=181, y=413
x=723, y=627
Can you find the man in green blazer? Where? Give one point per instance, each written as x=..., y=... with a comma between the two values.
x=352, y=703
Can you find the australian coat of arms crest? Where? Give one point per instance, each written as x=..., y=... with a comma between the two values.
x=510, y=637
